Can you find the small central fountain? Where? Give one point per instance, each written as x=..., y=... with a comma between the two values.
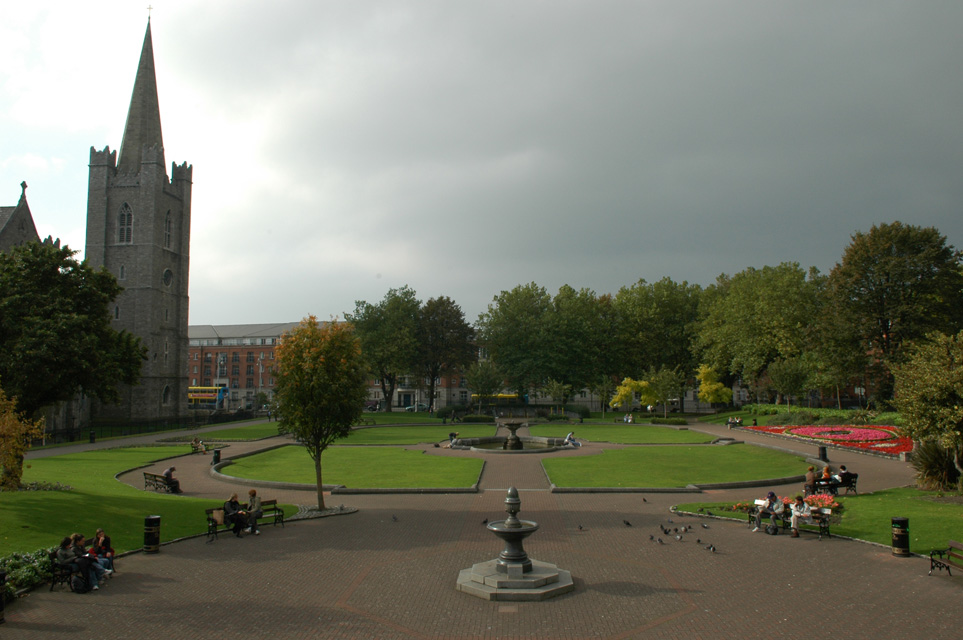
x=513, y=443
x=513, y=575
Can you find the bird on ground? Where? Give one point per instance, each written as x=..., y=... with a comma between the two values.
x=485, y=521
x=705, y=526
x=711, y=548
x=643, y=499
x=580, y=527
x=675, y=529
x=698, y=541
x=651, y=537
x=700, y=509
x=627, y=523
x=679, y=538
x=670, y=520
x=710, y=513
x=660, y=541
x=394, y=518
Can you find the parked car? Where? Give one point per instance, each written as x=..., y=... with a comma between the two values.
x=372, y=405
x=421, y=406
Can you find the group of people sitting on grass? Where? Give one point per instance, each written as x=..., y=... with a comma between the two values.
x=94, y=564
x=243, y=519
x=827, y=481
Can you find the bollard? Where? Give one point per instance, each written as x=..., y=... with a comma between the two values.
x=901, y=537
x=3, y=582
x=152, y=534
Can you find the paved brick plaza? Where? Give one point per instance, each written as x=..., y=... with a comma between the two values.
x=364, y=575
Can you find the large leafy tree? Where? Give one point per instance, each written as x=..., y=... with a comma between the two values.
x=445, y=341
x=388, y=334
x=896, y=284
x=515, y=331
x=320, y=385
x=579, y=332
x=485, y=380
x=656, y=325
x=757, y=316
x=55, y=333
x=929, y=393
x=789, y=376
x=711, y=389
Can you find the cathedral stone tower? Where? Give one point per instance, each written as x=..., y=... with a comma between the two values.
x=139, y=227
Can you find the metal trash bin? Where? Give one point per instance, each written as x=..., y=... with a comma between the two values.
x=93, y=436
x=152, y=534
x=217, y=457
x=3, y=581
x=901, y=547
x=822, y=454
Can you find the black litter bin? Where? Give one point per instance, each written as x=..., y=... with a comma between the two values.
x=3, y=580
x=93, y=437
x=152, y=534
x=217, y=456
x=901, y=537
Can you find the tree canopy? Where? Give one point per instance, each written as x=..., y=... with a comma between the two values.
x=55, y=330
x=321, y=385
x=445, y=341
x=895, y=284
x=388, y=334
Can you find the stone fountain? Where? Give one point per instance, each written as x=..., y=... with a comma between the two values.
x=513, y=575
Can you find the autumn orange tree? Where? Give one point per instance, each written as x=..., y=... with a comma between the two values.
x=320, y=385
x=16, y=434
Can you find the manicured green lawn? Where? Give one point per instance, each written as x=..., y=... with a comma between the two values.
x=869, y=517
x=415, y=434
x=672, y=466
x=34, y=519
x=622, y=433
x=254, y=431
x=401, y=417
x=360, y=467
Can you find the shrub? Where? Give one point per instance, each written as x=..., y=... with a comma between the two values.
x=580, y=410
x=25, y=571
x=673, y=421
x=447, y=412
x=477, y=418
x=934, y=467
x=556, y=417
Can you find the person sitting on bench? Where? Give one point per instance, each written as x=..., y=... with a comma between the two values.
x=800, y=512
x=171, y=481
x=234, y=515
x=773, y=507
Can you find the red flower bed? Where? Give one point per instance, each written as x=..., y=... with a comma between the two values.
x=877, y=438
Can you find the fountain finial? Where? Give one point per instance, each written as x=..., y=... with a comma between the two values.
x=512, y=506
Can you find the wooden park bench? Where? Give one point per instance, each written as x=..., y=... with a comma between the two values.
x=952, y=556
x=216, y=523
x=156, y=481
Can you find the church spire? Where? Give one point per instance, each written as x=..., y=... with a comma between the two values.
x=143, y=118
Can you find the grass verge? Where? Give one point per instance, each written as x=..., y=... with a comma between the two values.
x=672, y=466
x=623, y=434
x=933, y=520
x=360, y=468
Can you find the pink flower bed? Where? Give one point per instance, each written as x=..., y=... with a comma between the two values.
x=877, y=438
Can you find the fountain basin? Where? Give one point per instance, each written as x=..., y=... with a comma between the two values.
x=496, y=444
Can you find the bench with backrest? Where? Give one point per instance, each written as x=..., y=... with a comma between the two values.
x=156, y=481
x=216, y=522
x=61, y=573
x=832, y=488
x=784, y=517
x=822, y=518
x=952, y=556
x=198, y=448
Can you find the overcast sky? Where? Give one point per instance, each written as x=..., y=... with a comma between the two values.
x=462, y=148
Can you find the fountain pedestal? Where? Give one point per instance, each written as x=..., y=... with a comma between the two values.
x=513, y=575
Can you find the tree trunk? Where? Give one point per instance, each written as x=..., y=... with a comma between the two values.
x=317, y=472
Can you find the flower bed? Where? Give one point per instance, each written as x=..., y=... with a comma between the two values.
x=882, y=439
x=818, y=501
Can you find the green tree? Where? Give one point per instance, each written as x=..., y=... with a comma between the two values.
x=321, y=384
x=55, y=333
x=484, y=380
x=388, y=334
x=896, y=284
x=663, y=385
x=580, y=336
x=789, y=376
x=558, y=391
x=929, y=393
x=602, y=386
x=445, y=341
x=711, y=389
x=515, y=331
x=756, y=317
x=656, y=325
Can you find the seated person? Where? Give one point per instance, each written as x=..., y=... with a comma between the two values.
x=253, y=511
x=172, y=482
x=234, y=515
x=102, y=549
x=73, y=553
x=801, y=512
x=451, y=439
x=826, y=481
x=810, y=486
x=571, y=441
x=773, y=507
x=198, y=443
x=844, y=477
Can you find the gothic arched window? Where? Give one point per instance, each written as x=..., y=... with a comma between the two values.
x=166, y=396
x=168, y=230
x=125, y=225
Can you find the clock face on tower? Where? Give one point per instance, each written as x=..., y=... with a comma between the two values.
x=168, y=277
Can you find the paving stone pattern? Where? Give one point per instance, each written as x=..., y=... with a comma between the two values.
x=366, y=575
